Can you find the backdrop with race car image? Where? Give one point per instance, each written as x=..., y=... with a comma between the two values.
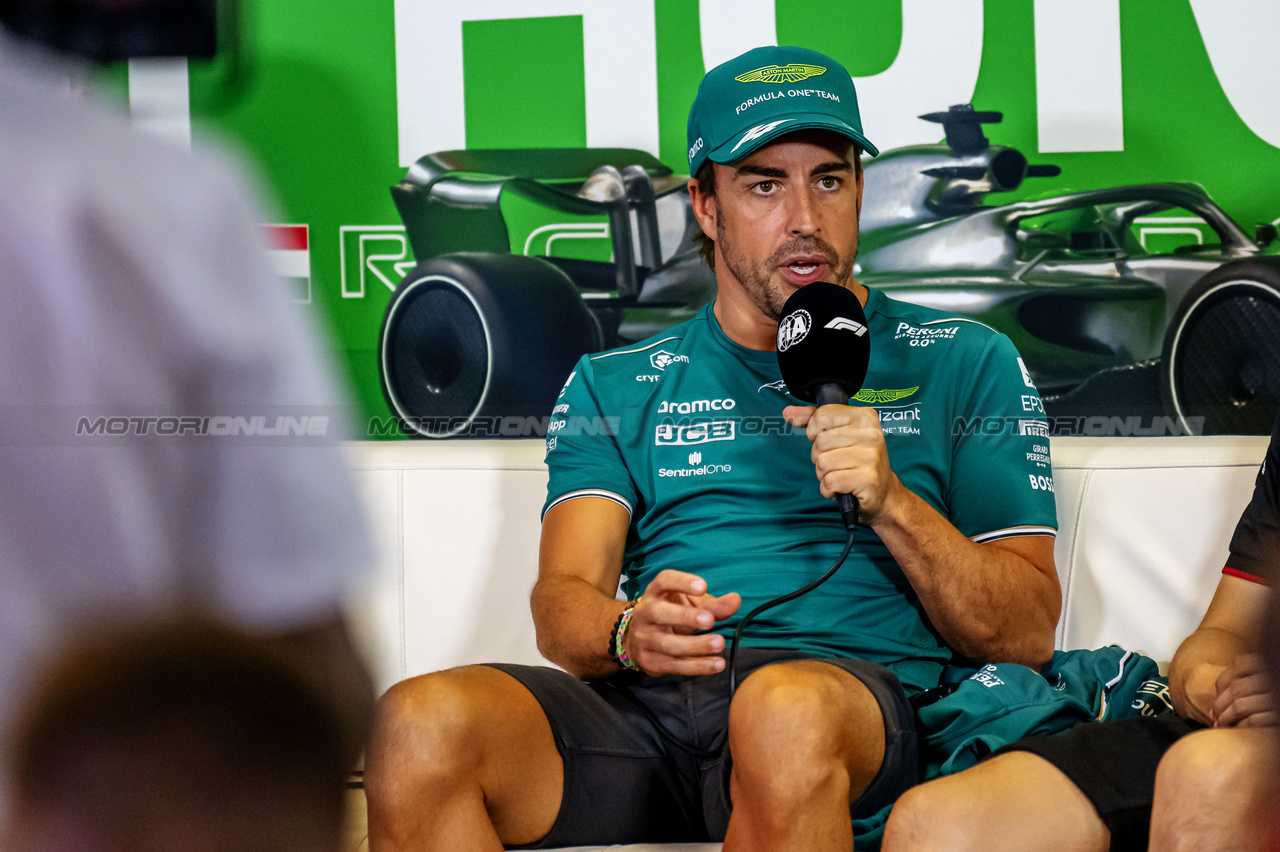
x=1098, y=179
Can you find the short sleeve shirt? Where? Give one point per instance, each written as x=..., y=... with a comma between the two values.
x=685, y=430
x=1255, y=545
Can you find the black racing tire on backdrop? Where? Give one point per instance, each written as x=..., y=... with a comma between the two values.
x=480, y=335
x=1222, y=350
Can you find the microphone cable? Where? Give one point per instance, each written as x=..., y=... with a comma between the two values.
x=767, y=605
x=718, y=742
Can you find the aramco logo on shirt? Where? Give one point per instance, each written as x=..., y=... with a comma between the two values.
x=695, y=458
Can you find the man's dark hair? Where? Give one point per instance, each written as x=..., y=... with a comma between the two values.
x=706, y=178
x=136, y=735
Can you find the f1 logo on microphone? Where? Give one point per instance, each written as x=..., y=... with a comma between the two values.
x=846, y=324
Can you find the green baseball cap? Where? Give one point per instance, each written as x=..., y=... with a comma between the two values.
x=768, y=92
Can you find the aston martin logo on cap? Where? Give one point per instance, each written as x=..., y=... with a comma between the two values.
x=781, y=74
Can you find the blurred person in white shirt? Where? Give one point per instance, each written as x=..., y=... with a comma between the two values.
x=134, y=287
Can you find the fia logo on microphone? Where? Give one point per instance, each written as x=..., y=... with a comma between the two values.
x=793, y=328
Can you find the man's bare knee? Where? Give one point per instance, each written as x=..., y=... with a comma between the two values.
x=426, y=727
x=928, y=817
x=946, y=814
x=1203, y=763
x=1013, y=802
x=459, y=755
x=796, y=727
x=1209, y=786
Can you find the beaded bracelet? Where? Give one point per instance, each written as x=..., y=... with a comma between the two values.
x=617, y=640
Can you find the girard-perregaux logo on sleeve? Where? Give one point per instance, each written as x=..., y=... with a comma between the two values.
x=781, y=74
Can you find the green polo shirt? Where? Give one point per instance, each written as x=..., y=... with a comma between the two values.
x=685, y=430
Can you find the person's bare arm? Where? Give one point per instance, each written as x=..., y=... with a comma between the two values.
x=574, y=607
x=1217, y=654
x=996, y=602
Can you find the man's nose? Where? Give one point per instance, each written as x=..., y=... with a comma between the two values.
x=801, y=215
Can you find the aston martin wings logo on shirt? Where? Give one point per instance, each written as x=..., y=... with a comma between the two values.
x=881, y=396
x=781, y=74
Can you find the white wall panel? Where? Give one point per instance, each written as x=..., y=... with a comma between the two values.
x=1069, y=485
x=1149, y=553
x=471, y=558
x=377, y=616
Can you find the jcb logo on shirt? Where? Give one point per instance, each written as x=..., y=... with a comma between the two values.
x=670, y=434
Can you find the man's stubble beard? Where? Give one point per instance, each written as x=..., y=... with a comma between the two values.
x=767, y=292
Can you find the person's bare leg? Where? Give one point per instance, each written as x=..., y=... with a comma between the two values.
x=806, y=738
x=1213, y=789
x=1011, y=803
x=462, y=759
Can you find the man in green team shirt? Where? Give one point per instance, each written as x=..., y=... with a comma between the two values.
x=704, y=504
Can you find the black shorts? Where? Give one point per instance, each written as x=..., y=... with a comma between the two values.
x=1114, y=765
x=625, y=781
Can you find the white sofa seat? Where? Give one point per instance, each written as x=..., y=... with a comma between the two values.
x=1143, y=531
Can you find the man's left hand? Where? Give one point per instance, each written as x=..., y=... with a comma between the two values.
x=848, y=454
x=1245, y=698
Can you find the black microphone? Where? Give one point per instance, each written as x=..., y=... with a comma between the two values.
x=823, y=350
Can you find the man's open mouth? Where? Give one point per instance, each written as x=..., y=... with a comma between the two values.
x=806, y=269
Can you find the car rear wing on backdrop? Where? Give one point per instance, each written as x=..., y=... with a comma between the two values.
x=449, y=202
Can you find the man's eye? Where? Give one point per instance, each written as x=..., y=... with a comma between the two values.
x=829, y=182
x=766, y=187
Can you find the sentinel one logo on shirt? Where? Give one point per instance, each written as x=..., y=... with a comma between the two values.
x=695, y=459
x=663, y=359
x=697, y=406
x=673, y=435
x=793, y=328
x=705, y=470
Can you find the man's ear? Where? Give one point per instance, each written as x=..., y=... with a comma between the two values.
x=704, y=209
